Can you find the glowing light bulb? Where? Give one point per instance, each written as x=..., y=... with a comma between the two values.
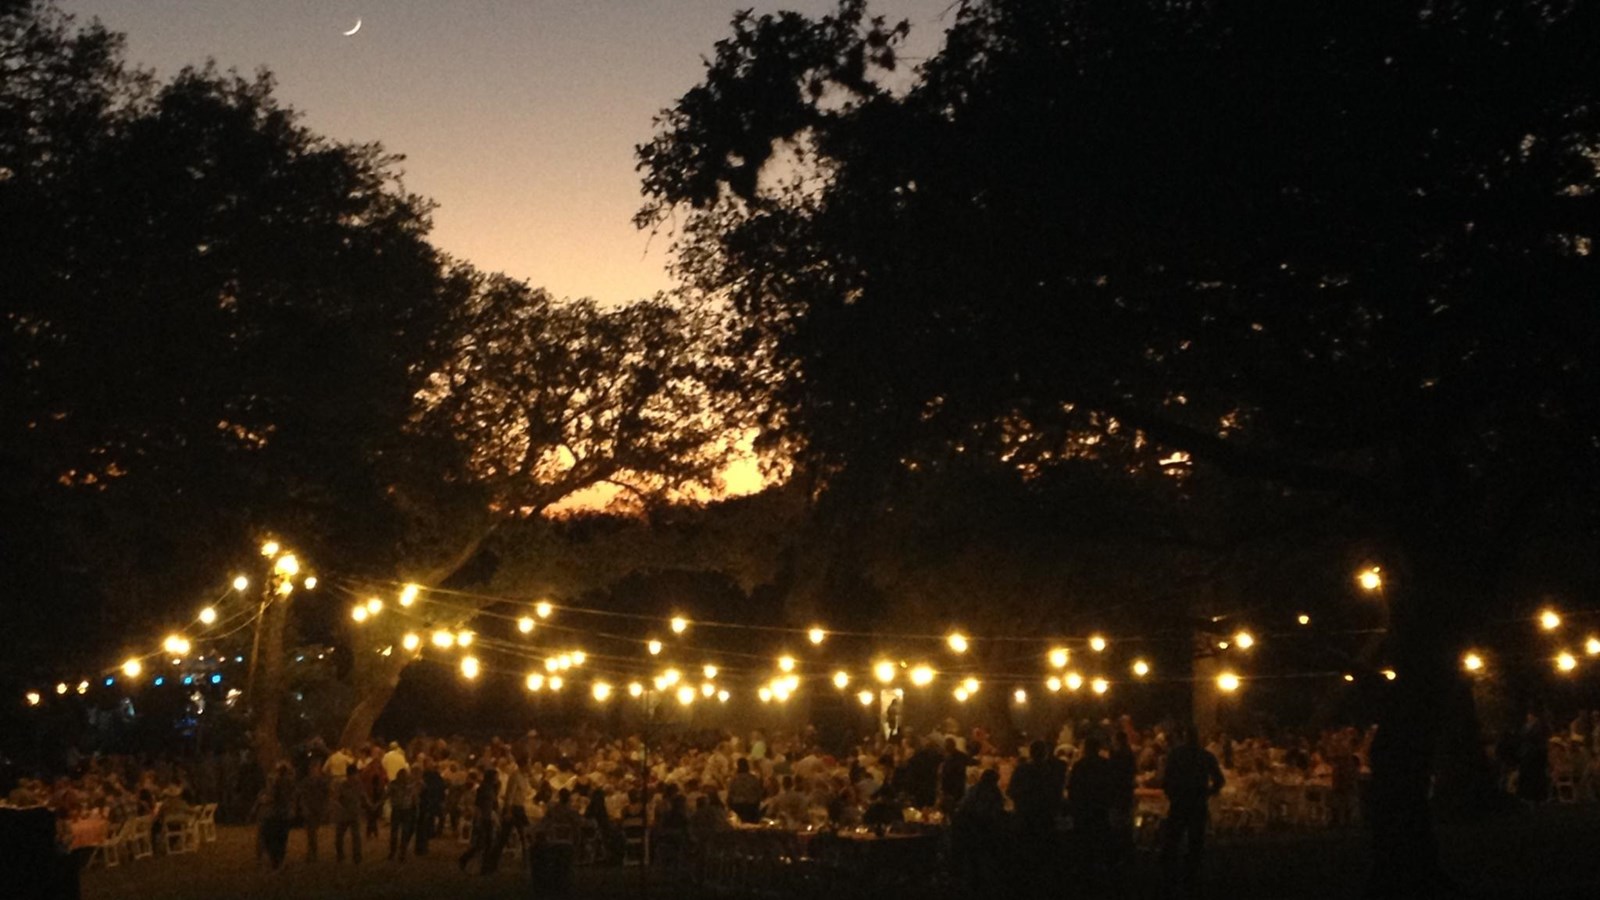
x=374, y=606
x=579, y=657
x=816, y=635
x=971, y=685
x=1370, y=579
x=33, y=698
x=1303, y=619
x=564, y=661
x=1099, y=685
x=709, y=670
x=443, y=639
x=464, y=639
x=1097, y=643
x=469, y=666
x=635, y=689
x=673, y=676
x=132, y=668
x=1245, y=640
x=1059, y=657
x=1390, y=674
x=287, y=565
x=62, y=688
x=411, y=642
x=208, y=616
x=240, y=582
x=176, y=644
x=310, y=582
x=921, y=676
x=722, y=696
x=765, y=693
x=408, y=594
x=1053, y=683
x=841, y=680
x=83, y=687
x=1349, y=678
x=601, y=691
x=1549, y=620
x=543, y=609
x=556, y=683
x=786, y=664
x=685, y=695
x=957, y=642
x=708, y=690
x=1472, y=662
x=1227, y=682
x=535, y=681
x=883, y=670
x=1020, y=695
x=679, y=624
x=961, y=694
x=1592, y=646
x=1074, y=681
x=654, y=647
x=270, y=548
x=551, y=664
x=1141, y=668
x=866, y=698
x=1566, y=662
x=525, y=624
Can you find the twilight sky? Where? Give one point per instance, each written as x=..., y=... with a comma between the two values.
x=519, y=117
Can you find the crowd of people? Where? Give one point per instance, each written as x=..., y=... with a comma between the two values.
x=683, y=788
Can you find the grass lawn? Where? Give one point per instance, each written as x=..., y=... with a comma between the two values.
x=1548, y=853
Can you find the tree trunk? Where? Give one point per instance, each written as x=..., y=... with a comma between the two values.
x=373, y=698
x=267, y=704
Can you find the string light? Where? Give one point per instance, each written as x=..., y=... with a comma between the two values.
x=359, y=613
x=176, y=644
x=525, y=624
x=411, y=642
x=556, y=683
x=679, y=624
x=1053, y=683
x=1370, y=579
x=61, y=687
x=970, y=685
x=443, y=639
x=374, y=606
x=469, y=666
x=866, y=698
x=1227, y=682
x=579, y=657
x=132, y=668
x=883, y=670
x=285, y=587
x=672, y=676
x=957, y=642
x=1549, y=620
x=1020, y=695
x=535, y=681
x=654, y=647
x=709, y=670
x=722, y=696
x=208, y=616
x=83, y=687
x=1390, y=674
x=1059, y=657
x=961, y=694
x=1099, y=685
x=635, y=689
x=781, y=692
x=1141, y=668
x=564, y=661
x=708, y=690
x=287, y=566
x=542, y=609
x=765, y=693
x=270, y=548
x=1349, y=678
x=1074, y=681
x=1566, y=662
x=922, y=676
x=310, y=582
x=464, y=639
x=841, y=679
x=1097, y=644
x=816, y=635
x=240, y=582
x=1245, y=640
x=786, y=664
x=33, y=698
x=408, y=594
x=552, y=663
x=601, y=691
x=1472, y=662
x=685, y=695
x=1592, y=646
x=1303, y=619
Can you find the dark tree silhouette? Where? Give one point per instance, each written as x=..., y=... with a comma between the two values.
x=1338, y=249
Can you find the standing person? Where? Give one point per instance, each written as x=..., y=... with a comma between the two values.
x=430, y=805
x=952, y=776
x=1089, y=796
x=402, y=793
x=277, y=812
x=1191, y=778
x=349, y=801
x=314, y=795
x=1035, y=791
x=1533, y=760
x=394, y=760
x=1121, y=770
x=745, y=793
x=484, y=801
x=373, y=781
x=513, y=813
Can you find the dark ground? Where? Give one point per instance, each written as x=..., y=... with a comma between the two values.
x=1548, y=853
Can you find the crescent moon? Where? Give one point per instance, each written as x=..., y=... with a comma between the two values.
x=354, y=30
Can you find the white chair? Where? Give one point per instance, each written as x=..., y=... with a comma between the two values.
x=205, y=824
x=181, y=836
x=142, y=843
